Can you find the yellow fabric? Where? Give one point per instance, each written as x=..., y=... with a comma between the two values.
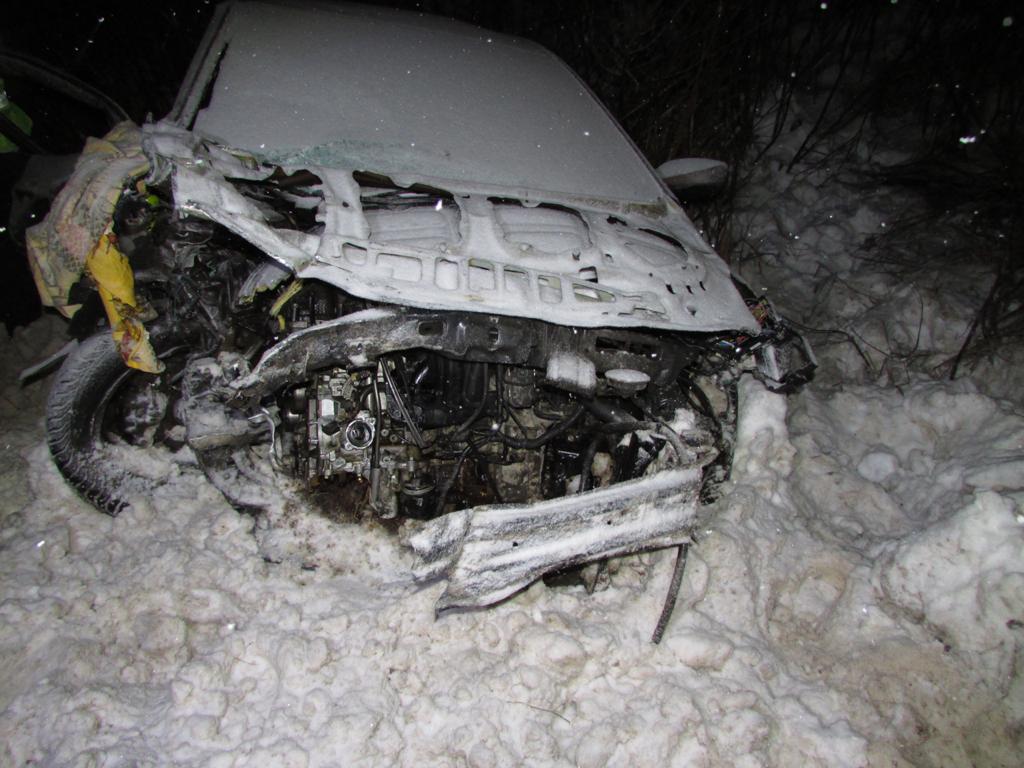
x=82, y=211
x=110, y=269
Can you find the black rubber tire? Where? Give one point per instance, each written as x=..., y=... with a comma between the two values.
x=86, y=381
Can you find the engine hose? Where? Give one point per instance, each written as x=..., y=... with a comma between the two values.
x=621, y=421
x=616, y=420
x=586, y=476
x=547, y=436
x=608, y=411
x=465, y=426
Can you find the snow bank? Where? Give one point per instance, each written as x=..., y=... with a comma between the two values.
x=965, y=577
x=899, y=573
x=918, y=455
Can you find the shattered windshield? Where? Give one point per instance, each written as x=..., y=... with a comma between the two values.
x=403, y=94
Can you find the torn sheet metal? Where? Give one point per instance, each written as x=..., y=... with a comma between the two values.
x=199, y=189
x=80, y=214
x=488, y=553
x=479, y=252
x=110, y=270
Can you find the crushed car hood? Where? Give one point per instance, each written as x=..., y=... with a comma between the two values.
x=552, y=258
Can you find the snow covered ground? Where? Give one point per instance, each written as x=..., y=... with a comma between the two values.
x=857, y=596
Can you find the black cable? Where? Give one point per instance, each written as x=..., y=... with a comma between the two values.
x=442, y=497
x=673, y=593
x=417, y=436
x=515, y=419
x=375, y=459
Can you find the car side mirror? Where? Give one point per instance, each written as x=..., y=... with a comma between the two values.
x=694, y=178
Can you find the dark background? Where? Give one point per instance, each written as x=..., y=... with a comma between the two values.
x=684, y=79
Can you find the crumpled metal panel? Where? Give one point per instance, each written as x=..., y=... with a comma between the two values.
x=584, y=266
x=489, y=553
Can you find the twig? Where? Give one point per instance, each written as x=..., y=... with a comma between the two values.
x=973, y=329
x=539, y=709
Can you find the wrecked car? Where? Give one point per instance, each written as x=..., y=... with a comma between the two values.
x=415, y=266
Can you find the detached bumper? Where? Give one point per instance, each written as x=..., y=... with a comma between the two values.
x=488, y=553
